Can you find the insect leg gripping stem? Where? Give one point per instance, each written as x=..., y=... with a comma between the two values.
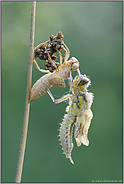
x=58, y=100
x=67, y=52
x=41, y=70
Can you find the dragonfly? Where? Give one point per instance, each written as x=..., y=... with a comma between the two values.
x=78, y=113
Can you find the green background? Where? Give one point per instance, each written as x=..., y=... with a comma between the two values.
x=93, y=33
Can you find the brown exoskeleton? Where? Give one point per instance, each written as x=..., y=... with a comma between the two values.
x=54, y=79
x=45, y=51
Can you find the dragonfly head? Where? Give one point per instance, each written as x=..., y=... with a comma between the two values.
x=81, y=82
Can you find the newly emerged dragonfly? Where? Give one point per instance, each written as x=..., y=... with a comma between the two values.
x=78, y=114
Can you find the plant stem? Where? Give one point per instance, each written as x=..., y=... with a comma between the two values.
x=27, y=104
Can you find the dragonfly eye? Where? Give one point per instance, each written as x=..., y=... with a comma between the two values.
x=82, y=83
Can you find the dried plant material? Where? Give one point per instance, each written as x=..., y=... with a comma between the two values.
x=44, y=51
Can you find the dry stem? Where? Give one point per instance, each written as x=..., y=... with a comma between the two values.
x=27, y=104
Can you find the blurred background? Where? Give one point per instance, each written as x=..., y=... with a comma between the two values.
x=93, y=33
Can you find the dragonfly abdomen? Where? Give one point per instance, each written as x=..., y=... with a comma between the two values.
x=66, y=134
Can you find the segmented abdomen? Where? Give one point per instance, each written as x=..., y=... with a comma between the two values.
x=42, y=85
x=66, y=134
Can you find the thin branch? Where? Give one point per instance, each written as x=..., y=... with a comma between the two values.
x=27, y=104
